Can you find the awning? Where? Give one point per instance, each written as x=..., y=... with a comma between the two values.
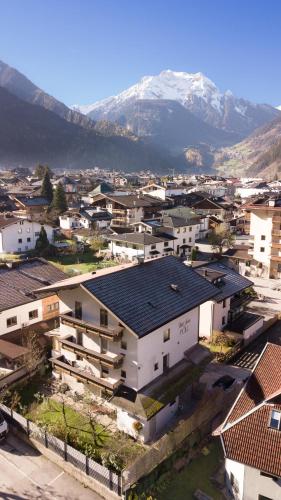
x=154, y=252
x=185, y=246
x=12, y=351
x=168, y=249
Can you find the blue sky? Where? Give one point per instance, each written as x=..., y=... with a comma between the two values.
x=82, y=51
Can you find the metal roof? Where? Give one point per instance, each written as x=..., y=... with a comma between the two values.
x=231, y=283
x=149, y=295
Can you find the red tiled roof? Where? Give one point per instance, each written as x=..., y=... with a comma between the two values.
x=246, y=434
x=253, y=443
x=265, y=381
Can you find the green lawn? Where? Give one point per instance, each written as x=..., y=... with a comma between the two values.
x=195, y=476
x=80, y=263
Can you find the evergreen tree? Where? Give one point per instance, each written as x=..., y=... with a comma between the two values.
x=41, y=170
x=42, y=241
x=59, y=199
x=47, y=188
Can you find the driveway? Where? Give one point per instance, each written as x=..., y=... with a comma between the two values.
x=25, y=474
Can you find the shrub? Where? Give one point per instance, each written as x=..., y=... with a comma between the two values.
x=137, y=426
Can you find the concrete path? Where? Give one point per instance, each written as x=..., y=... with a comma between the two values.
x=25, y=474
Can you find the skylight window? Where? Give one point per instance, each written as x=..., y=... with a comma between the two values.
x=275, y=420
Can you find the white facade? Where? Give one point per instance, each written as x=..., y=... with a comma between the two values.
x=131, y=251
x=261, y=231
x=20, y=316
x=235, y=478
x=21, y=236
x=213, y=317
x=73, y=221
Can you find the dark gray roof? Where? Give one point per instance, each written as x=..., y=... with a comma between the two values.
x=17, y=284
x=173, y=221
x=243, y=322
x=142, y=296
x=33, y=202
x=139, y=238
x=231, y=283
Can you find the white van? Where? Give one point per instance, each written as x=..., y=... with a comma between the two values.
x=3, y=428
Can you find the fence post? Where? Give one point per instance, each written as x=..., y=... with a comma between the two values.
x=27, y=427
x=65, y=450
x=87, y=465
x=110, y=480
x=119, y=485
x=46, y=439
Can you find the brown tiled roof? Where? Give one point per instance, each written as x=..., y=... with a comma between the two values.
x=265, y=381
x=11, y=351
x=246, y=434
x=253, y=443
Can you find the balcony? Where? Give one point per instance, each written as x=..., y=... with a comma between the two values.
x=111, y=361
x=90, y=328
x=62, y=365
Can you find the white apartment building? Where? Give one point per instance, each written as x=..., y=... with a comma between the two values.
x=130, y=246
x=126, y=333
x=251, y=433
x=20, y=235
x=265, y=231
x=226, y=311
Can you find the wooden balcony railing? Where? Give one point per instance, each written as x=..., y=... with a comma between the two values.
x=105, y=360
x=109, y=333
x=62, y=365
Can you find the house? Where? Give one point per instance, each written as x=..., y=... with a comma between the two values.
x=33, y=207
x=154, y=190
x=265, y=230
x=131, y=246
x=251, y=433
x=20, y=235
x=20, y=307
x=126, y=333
x=226, y=311
x=216, y=207
x=127, y=209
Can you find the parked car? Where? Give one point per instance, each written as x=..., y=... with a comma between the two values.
x=3, y=428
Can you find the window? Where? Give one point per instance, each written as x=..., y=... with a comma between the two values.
x=153, y=247
x=36, y=234
x=223, y=320
x=156, y=366
x=78, y=310
x=103, y=317
x=263, y=237
x=224, y=303
x=28, y=240
x=21, y=222
x=33, y=314
x=103, y=345
x=104, y=372
x=166, y=243
x=184, y=229
x=190, y=240
x=166, y=335
x=178, y=231
x=124, y=345
x=53, y=307
x=12, y=321
x=184, y=240
x=123, y=374
x=190, y=228
x=20, y=240
x=261, y=249
x=275, y=420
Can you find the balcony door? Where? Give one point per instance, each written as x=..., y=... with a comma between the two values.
x=103, y=345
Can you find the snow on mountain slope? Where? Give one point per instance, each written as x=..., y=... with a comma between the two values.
x=194, y=91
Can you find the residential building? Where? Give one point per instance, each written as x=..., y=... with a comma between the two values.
x=265, y=230
x=33, y=207
x=131, y=246
x=20, y=307
x=251, y=433
x=126, y=333
x=226, y=311
x=20, y=235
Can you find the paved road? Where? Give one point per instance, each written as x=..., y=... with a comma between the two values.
x=248, y=358
x=25, y=474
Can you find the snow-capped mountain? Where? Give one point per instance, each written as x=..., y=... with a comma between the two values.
x=195, y=92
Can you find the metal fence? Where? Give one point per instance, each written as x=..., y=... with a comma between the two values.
x=87, y=465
